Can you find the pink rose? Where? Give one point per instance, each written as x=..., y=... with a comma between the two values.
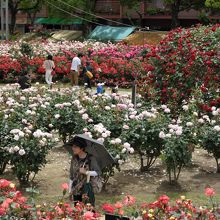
x=209, y=192
x=88, y=215
x=65, y=186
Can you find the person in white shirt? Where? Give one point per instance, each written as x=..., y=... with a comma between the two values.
x=49, y=66
x=75, y=68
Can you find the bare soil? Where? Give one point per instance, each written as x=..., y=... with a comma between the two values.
x=145, y=186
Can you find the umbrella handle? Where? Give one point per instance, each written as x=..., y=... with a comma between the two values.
x=88, y=178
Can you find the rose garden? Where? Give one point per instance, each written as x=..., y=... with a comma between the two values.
x=166, y=147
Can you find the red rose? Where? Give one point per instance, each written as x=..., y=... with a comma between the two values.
x=164, y=199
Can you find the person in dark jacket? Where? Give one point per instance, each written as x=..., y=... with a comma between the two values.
x=24, y=81
x=87, y=80
x=82, y=166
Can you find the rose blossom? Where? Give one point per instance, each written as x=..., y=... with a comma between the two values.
x=57, y=116
x=21, y=152
x=189, y=124
x=127, y=145
x=65, y=186
x=162, y=135
x=217, y=128
x=209, y=192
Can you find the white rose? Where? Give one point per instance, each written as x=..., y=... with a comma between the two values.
x=85, y=129
x=24, y=121
x=118, y=141
x=16, y=137
x=189, y=124
x=126, y=145
x=171, y=131
x=126, y=127
x=107, y=108
x=179, y=132
x=162, y=135
x=120, y=162
x=213, y=122
x=50, y=125
x=217, y=128
x=185, y=108
x=168, y=135
x=195, y=113
x=117, y=157
x=167, y=110
x=90, y=120
x=57, y=116
x=104, y=135
x=215, y=113
x=16, y=148
x=201, y=121
x=163, y=107
x=21, y=152
x=112, y=141
x=213, y=108
x=85, y=116
x=131, y=150
x=6, y=116
x=124, y=150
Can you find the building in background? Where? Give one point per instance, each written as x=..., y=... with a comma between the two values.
x=155, y=14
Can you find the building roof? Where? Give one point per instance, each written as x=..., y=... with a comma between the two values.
x=59, y=21
x=109, y=33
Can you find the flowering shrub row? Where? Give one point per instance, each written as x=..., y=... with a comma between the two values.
x=14, y=204
x=32, y=119
x=113, y=64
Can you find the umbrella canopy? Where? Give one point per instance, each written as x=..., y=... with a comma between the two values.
x=96, y=149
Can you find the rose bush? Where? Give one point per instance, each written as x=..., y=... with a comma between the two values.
x=187, y=59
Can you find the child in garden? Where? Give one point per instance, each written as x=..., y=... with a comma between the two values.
x=100, y=88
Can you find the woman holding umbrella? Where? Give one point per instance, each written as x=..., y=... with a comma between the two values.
x=83, y=166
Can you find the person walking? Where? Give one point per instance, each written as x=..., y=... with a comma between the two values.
x=75, y=68
x=49, y=66
x=87, y=79
x=83, y=166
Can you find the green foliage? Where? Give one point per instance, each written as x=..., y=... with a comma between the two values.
x=213, y=4
x=26, y=50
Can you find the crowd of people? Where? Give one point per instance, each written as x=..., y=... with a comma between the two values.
x=77, y=70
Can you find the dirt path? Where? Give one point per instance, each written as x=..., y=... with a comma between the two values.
x=145, y=186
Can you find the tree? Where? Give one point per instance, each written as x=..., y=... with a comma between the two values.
x=21, y=5
x=81, y=8
x=134, y=5
x=212, y=4
x=177, y=6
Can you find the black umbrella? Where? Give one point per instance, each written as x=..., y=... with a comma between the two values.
x=95, y=148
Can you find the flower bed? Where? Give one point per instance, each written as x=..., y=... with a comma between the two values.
x=113, y=64
x=32, y=120
x=14, y=204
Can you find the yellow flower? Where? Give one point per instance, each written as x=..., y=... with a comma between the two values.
x=38, y=206
x=150, y=215
x=151, y=210
x=12, y=185
x=144, y=212
x=172, y=218
x=183, y=197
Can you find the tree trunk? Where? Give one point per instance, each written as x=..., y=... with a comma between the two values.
x=175, y=20
x=13, y=21
x=218, y=165
x=175, y=7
